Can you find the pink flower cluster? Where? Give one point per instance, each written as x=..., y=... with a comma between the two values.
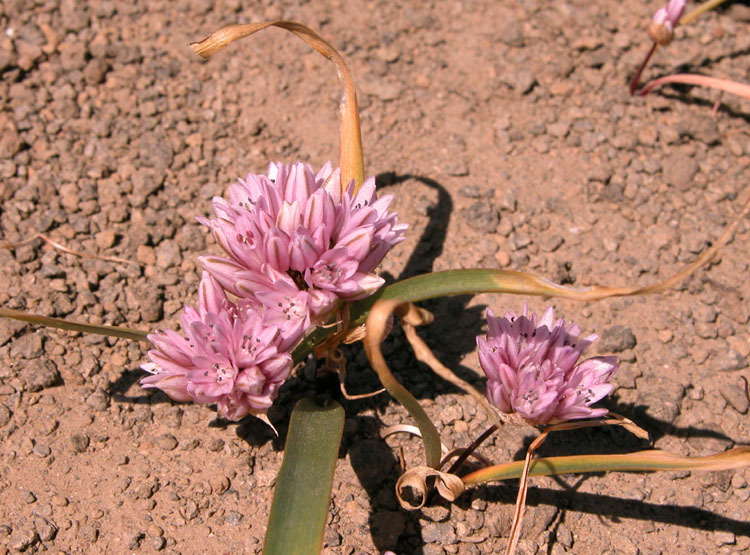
x=297, y=246
x=229, y=355
x=532, y=368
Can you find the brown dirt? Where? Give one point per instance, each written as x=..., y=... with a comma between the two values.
x=505, y=131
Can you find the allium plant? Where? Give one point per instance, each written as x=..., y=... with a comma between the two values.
x=661, y=32
x=229, y=355
x=299, y=243
x=532, y=368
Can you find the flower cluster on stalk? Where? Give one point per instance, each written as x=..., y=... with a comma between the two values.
x=297, y=245
x=532, y=368
x=661, y=28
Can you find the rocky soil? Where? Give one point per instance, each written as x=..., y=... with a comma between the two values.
x=507, y=136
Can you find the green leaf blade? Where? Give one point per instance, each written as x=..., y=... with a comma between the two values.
x=640, y=461
x=303, y=487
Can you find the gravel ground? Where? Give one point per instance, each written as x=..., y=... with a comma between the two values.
x=505, y=132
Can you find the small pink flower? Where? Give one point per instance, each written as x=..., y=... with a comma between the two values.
x=661, y=29
x=298, y=244
x=532, y=368
x=229, y=355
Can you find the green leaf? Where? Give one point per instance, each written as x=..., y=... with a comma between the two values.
x=640, y=461
x=377, y=323
x=303, y=487
x=443, y=284
x=480, y=280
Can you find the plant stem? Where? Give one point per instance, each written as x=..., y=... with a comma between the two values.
x=637, y=77
x=471, y=448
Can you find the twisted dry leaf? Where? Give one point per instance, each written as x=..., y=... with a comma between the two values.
x=414, y=481
x=351, y=158
x=424, y=354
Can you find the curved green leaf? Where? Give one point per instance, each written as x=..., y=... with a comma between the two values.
x=377, y=323
x=458, y=282
x=303, y=487
x=640, y=461
x=481, y=280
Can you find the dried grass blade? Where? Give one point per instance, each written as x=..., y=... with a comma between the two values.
x=111, y=331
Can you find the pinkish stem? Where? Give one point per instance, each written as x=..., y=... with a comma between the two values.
x=637, y=77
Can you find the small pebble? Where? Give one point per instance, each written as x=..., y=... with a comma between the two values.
x=105, y=239
x=154, y=530
x=5, y=415
x=215, y=444
x=725, y=538
x=166, y=442
x=41, y=450
x=219, y=484
x=665, y=336
x=734, y=394
x=79, y=442
x=616, y=339
x=23, y=538
x=482, y=216
x=564, y=536
x=133, y=539
x=679, y=170
x=729, y=361
x=158, y=542
x=233, y=518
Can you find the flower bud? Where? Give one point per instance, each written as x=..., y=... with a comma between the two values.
x=661, y=28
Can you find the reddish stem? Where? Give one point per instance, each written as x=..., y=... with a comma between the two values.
x=470, y=449
x=637, y=77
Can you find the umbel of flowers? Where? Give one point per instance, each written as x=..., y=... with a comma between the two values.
x=228, y=355
x=532, y=368
x=297, y=244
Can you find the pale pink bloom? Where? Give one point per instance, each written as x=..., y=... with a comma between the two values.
x=532, y=368
x=671, y=14
x=298, y=245
x=229, y=356
x=661, y=29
